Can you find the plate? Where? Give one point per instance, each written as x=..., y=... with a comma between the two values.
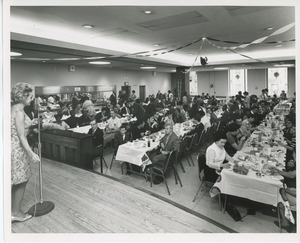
x=277, y=178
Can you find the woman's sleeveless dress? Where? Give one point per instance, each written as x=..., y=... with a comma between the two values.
x=20, y=162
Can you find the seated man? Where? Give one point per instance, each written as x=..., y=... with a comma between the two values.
x=97, y=138
x=138, y=129
x=72, y=121
x=102, y=116
x=288, y=194
x=125, y=111
x=121, y=137
x=84, y=119
x=113, y=123
x=151, y=126
x=168, y=143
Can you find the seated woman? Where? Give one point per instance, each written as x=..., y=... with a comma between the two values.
x=215, y=157
x=291, y=144
x=177, y=116
x=233, y=144
x=58, y=125
x=168, y=120
x=48, y=115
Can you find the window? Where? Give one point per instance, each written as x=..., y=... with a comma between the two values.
x=193, y=83
x=237, y=81
x=277, y=80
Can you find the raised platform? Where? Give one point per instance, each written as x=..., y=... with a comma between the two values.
x=86, y=202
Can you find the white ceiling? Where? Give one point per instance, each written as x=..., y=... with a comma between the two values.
x=53, y=32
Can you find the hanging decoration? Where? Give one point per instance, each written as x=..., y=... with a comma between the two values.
x=232, y=49
x=200, y=48
x=237, y=77
x=276, y=74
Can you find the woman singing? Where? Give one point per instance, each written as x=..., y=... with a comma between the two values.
x=21, y=153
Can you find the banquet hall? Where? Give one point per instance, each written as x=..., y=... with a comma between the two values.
x=131, y=104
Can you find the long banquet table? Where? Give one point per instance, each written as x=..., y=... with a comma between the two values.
x=259, y=184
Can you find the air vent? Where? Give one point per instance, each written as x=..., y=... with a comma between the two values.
x=241, y=10
x=174, y=21
x=116, y=31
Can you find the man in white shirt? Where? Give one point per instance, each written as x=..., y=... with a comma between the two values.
x=114, y=123
x=51, y=99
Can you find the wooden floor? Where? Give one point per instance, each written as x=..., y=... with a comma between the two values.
x=86, y=202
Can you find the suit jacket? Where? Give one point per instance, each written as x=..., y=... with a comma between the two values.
x=97, y=136
x=123, y=111
x=172, y=143
x=118, y=139
x=84, y=120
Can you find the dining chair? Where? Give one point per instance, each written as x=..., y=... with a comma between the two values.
x=208, y=185
x=183, y=150
x=160, y=169
x=114, y=153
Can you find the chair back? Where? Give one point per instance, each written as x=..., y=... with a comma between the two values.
x=171, y=160
x=193, y=141
x=201, y=165
x=201, y=137
x=184, y=144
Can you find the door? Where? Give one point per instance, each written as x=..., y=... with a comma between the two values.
x=142, y=92
x=126, y=90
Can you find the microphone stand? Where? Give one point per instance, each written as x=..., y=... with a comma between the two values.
x=41, y=208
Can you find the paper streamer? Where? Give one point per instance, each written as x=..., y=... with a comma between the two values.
x=260, y=40
x=243, y=55
x=200, y=48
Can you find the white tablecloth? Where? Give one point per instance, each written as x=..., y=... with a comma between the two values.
x=264, y=188
x=135, y=152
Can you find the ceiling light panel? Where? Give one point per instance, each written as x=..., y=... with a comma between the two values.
x=100, y=63
x=174, y=21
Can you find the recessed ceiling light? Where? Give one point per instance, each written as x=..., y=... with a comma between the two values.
x=100, y=63
x=284, y=65
x=147, y=67
x=278, y=46
x=88, y=26
x=92, y=58
x=67, y=59
x=174, y=70
x=147, y=12
x=191, y=54
x=221, y=68
x=269, y=28
x=156, y=45
x=15, y=54
x=34, y=59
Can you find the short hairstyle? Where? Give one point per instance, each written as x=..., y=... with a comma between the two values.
x=20, y=91
x=169, y=125
x=58, y=116
x=124, y=125
x=232, y=127
x=219, y=135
